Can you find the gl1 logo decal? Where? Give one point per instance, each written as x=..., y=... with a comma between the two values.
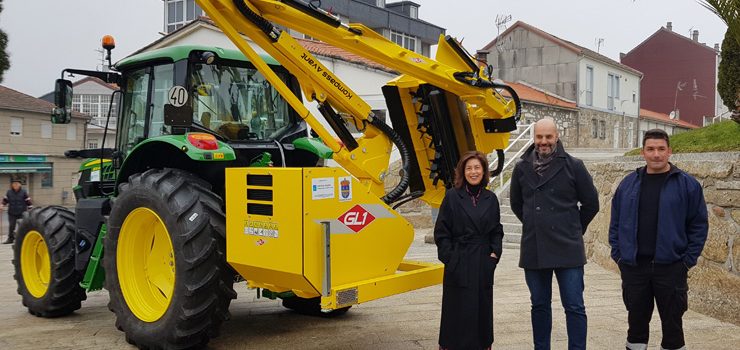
x=356, y=218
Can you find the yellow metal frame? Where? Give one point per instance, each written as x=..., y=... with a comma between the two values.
x=146, y=264
x=35, y=263
x=368, y=162
x=286, y=251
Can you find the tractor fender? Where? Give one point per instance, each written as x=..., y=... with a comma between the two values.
x=171, y=151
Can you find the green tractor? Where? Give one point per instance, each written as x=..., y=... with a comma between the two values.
x=149, y=222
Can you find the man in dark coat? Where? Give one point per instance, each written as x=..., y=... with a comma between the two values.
x=658, y=229
x=468, y=234
x=17, y=202
x=546, y=188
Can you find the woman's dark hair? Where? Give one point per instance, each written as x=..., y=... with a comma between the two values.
x=656, y=134
x=460, y=168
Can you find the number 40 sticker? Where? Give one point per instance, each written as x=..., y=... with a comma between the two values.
x=178, y=96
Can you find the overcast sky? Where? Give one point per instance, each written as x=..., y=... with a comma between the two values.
x=48, y=36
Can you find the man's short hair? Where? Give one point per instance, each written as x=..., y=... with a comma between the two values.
x=657, y=134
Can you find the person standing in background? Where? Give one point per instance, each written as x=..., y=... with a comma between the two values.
x=17, y=202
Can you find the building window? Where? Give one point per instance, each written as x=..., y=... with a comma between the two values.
x=179, y=12
x=634, y=97
x=589, y=86
x=612, y=92
x=594, y=128
x=46, y=130
x=414, y=12
x=95, y=106
x=47, y=178
x=405, y=40
x=16, y=126
x=72, y=132
x=602, y=129
x=92, y=144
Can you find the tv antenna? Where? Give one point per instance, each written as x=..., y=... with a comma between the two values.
x=501, y=21
x=598, y=42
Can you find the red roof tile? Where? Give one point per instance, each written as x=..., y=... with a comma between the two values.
x=665, y=118
x=530, y=93
x=326, y=50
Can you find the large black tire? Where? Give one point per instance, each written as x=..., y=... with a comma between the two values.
x=55, y=227
x=203, y=284
x=311, y=307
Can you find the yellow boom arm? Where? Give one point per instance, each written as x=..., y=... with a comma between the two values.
x=440, y=108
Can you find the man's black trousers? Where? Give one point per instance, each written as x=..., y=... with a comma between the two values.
x=667, y=285
x=12, y=219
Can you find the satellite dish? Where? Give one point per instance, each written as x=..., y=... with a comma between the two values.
x=672, y=115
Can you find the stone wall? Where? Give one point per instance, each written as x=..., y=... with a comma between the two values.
x=603, y=135
x=714, y=284
x=566, y=120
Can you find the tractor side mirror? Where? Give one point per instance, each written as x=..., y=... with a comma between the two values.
x=62, y=113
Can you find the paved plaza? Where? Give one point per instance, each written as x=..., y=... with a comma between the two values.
x=407, y=321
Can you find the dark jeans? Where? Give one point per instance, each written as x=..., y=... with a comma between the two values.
x=570, y=283
x=666, y=285
x=12, y=219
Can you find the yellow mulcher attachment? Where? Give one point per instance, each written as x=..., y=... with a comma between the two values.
x=331, y=232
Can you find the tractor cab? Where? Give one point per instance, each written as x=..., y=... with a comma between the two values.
x=182, y=106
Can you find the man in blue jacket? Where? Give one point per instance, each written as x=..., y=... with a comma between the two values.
x=657, y=232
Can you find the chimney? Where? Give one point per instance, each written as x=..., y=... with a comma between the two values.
x=716, y=47
x=695, y=35
x=669, y=26
x=482, y=56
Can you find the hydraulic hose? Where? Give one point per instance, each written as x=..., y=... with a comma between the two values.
x=499, y=163
x=403, y=185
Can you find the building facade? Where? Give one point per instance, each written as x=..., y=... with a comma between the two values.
x=32, y=148
x=605, y=91
x=680, y=75
x=397, y=21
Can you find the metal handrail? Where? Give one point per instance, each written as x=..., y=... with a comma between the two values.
x=527, y=131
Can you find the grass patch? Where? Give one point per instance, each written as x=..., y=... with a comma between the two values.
x=719, y=137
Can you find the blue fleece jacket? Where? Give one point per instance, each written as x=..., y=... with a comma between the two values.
x=682, y=219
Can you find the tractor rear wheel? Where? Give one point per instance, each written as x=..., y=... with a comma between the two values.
x=166, y=272
x=44, y=259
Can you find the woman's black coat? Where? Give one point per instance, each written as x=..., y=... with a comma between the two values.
x=466, y=235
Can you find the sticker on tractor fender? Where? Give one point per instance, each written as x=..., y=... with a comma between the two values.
x=261, y=229
x=95, y=176
x=177, y=96
x=345, y=188
x=322, y=188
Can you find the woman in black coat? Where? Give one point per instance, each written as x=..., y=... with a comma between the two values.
x=468, y=235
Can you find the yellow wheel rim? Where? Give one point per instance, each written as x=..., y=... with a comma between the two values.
x=146, y=264
x=35, y=264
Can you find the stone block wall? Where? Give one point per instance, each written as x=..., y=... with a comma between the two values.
x=714, y=284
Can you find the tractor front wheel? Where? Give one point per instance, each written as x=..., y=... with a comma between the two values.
x=44, y=259
x=166, y=272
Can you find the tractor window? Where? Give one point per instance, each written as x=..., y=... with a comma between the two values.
x=163, y=76
x=238, y=103
x=133, y=114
